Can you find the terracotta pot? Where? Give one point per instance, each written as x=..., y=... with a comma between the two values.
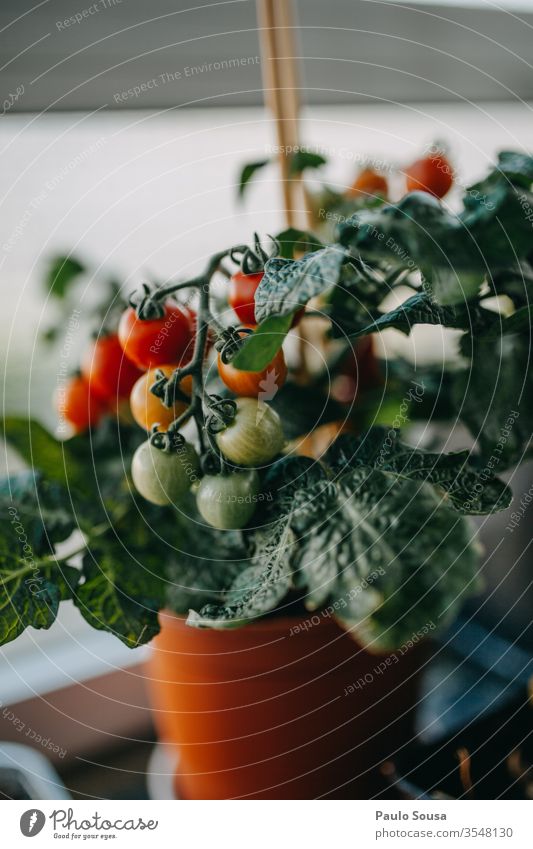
x=277, y=711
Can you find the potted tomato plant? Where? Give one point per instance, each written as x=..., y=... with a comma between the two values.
x=288, y=584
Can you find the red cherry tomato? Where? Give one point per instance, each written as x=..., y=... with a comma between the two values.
x=77, y=405
x=432, y=174
x=368, y=182
x=109, y=373
x=255, y=384
x=242, y=289
x=158, y=341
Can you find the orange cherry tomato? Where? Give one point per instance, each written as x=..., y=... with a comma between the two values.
x=147, y=409
x=109, y=373
x=255, y=384
x=77, y=405
x=158, y=341
x=368, y=182
x=432, y=174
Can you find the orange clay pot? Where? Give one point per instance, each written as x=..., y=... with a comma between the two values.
x=273, y=710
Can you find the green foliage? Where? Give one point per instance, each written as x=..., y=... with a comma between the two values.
x=62, y=272
x=380, y=529
x=305, y=160
x=35, y=515
x=261, y=346
x=120, y=593
x=288, y=285
x=494, y=394
x=248, y=171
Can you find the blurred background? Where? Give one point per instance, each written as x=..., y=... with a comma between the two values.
x=123, y=129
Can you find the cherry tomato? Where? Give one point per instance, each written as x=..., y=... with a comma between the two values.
x=164, y=478
x=252, y=384
x=242, y=289
x=77, y=405
x=432, y=174
x=108, y=372
x=369, y=183
x=147, y=409
x=156, y=341
x=255, y=435
x=227, y=502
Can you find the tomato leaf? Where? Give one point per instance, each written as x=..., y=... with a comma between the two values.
x=36, y=515
x=422, y=309
x=248, y=172
x=262, y=346
x=288, y=285
x=61, y=274
x=461, y=478
x=120, y=594
x=260, y=587
x=493, y=396
x=303, y=160
x=40, y=450
x=292, y=240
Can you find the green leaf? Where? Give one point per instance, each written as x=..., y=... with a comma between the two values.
x=493, y=397
x=468, y=486
x=422, y=309
x=262, y=345
x=292, y=240
x=248, y=172
x=303, y=160
x=62, y=272
x=41, y=451
x=304, y=408
x=120, y=594
x=35, y=516
x=260, y=587
x=288, y=285
x=406, y=560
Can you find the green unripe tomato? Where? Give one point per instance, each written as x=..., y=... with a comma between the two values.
x=255, y=435
x=164, y=478
x=227, y=502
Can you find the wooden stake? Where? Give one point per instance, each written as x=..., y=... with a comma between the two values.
x=280, y=81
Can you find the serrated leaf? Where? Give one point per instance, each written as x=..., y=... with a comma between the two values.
x=493, y=397
x=61, y=274
x=288, y=285
x=248, y=172
x=422, y=309
x=120, y=595
x=260, y=587
x=262, y=345
x=35, y=515
x=470, y=488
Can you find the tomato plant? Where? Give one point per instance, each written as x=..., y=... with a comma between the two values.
x=156, y=341
x=108, y=372
x=228, y=502
x=432, y=173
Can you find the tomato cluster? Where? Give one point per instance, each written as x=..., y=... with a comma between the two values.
x=431, y=173
x=138, y=363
